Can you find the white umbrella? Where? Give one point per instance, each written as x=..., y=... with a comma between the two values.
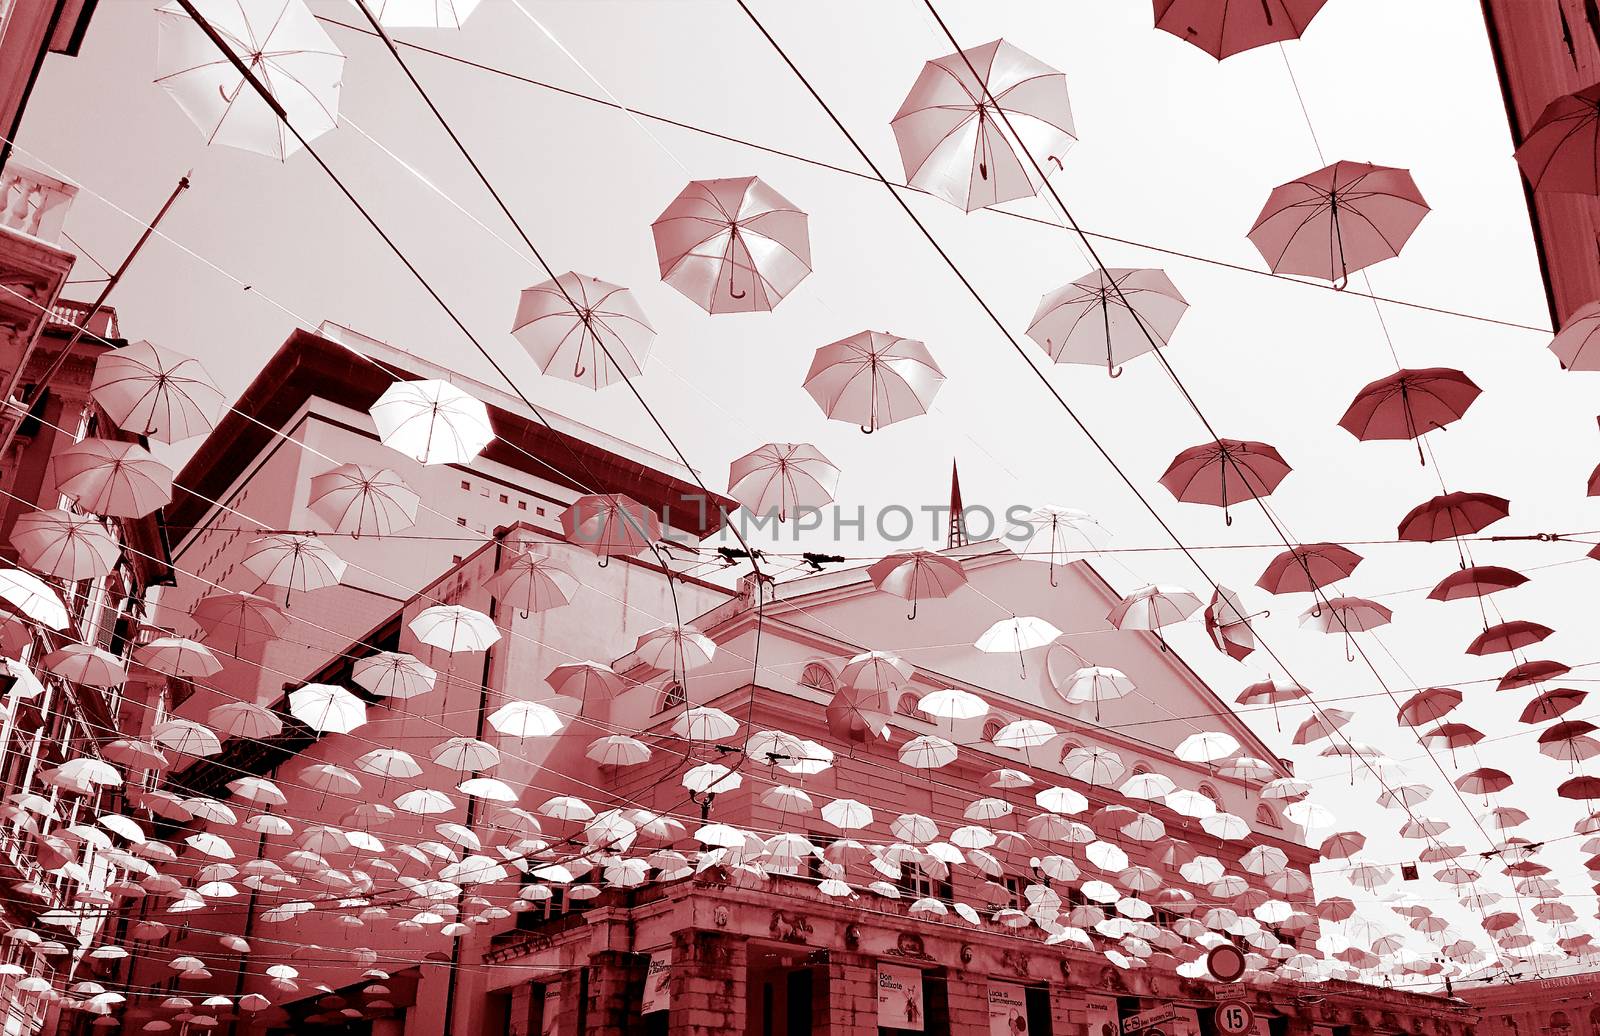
x=294, y=562
x=525, y=719
x=847, y=814
x=154, y=391
x=1061, y=800
x=432, y=421
x=1206, y=746
x=178, y=656
x=67, y=546
x=1024, y=733
x=927, y=752
x=327, y=709
x=33, y=597
x=454, y=627
x=1095, y=683
x=423, y=14
x=584, y=330
x=1153, y=607
x=186, y=737
x=361, y=500
x=953, y=703
x=393, y=674
x=704, y=723
x=1017, y=634
x=1093, y=765
x=1059, y=532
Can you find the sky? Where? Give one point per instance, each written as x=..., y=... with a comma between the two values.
x=1175, y=150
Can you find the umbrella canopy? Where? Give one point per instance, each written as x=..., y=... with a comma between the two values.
x=1409, y=403
x=1451, y=515
x=294, y=562
x=239, y=619
x=1532, y=672
x=873, y=379
x=1508, y=636
x=733, y=245
x=1574, y=345
x=177, y=656
x=1057, y=532
x=1228, y=625
x=431, y=421
x=284, y=48
x=393, y=674
x=244, y=719
x=327, y=709
x=1346, y=615
x=1223, y=28
x=1109, y=317
x=978, y=126
x=1476, y=581
x=1224, y=470
x=1558, y=154
x=86, y=665
x=1306, y=568
x=533, y=582
x=116, y=479
x=579, y=679
x=610, y=525
x=674, y=649
x=782, y=478
x=525, y=719
x=583, y=330
x=1152, y=608
x=1552, y=704
x=917, y=575
x=423, y=14
x=1428, y=706
x=454, y=627
x=1017, y=634
x=858, y=715
x=361, y=500
x=156, y=392
x=67, y=546
x=1337, y=220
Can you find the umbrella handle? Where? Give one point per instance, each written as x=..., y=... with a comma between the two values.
x=867, y=429
x=1053, y=572
x=605, y=559
x=1115, y=372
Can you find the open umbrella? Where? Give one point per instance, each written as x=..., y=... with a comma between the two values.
x=177, y=656
x=362, y=500
x=1152, y=608
x=782, y=478
x=1558, y=154
x=284, y=48
x=1228, y=625
x=533, y=582
x=327, y=709
x=1201, y=474
x=87, y=665
x=154, y=391
x=239, y=619
x=1347, y=615
x=583, y=330
x=1223, y=28
x=32, y=597
x=858, y=715
x=1508, y=636
x=1452, y=515
x=1477, y=581
x=674, y=649
x=1019, y=635
x=454, y=627
x=917, y=575
x=1337, y=220
x=959, y=127
x=117, y=479
x=67, y=546
x=1307, y=568
x=733, y=245
x=610, y=525
x=873, y=379
x=579, y=679
x=1408, y=404
x=1552, y=705
x=422, y=14
x=294, y=562
x=1109, y=316
x=1058, y=531
x=432, y=421
x=1429, y=705
x=1531, y=673
x=1572, y=344
x=393, y=674
x=1096, y=684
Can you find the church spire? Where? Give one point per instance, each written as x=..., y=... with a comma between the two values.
x=958, y=531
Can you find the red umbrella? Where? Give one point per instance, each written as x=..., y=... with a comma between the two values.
x=1335, y=221
x=1228, y=625
x=1552, y=704
x=1508, y=636
x=1594, y=481
x=1531, y=672
x=1572, y=343
x=1559, y=152
x=1200, y=474
x=1308, y=567
x=1452, y=735
x=1223, y=28
x=1272, y=692
x=917, y=575
x=733, y=245
x=1484, y=781
x=858, y=715
x=1585, y=788
x=1478, y=581
x=1453, y=514
x=1428, y=706
x=1409, y=404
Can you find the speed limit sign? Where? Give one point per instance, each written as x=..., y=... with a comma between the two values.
x=1234, y=1018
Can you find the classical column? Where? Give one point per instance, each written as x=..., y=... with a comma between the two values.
x=616, y=987
x=709, y=971
x=852, y=995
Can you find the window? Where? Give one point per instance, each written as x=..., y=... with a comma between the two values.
x=541, y=911
x=910, y=705
x=1211, y=793
x=992, y=726
x=461, y=522
x=817, y=675
x=1140, y=767
x=522, y=505
x=915, y=883
x=671, y=698
x=1266, y=817
x=465, y=484
x=539, y=511
x=1016, y=888
x=504, y=498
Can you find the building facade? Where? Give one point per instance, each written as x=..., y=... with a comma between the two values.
x=1565, y=1005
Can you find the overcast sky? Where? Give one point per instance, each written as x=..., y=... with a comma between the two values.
x=1174, y=150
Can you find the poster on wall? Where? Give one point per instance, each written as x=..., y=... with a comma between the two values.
x=1101, y=1014
x=1185, y=1022
x=899, y=997
x=550, y=1011
x=658, y=983
x=1008, y=1009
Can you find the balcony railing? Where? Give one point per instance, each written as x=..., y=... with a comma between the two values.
x=34, y=203
x=69, y=316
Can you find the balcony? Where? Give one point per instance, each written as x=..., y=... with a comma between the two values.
x=33, y=203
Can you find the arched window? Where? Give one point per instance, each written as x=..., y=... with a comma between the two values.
x=817, y=675
x=1068, y=747
x=1559, y=1022
x=1140, y=767
x=671, y=698
x=992, y=726
x=1266, y=817
x=1211, y=793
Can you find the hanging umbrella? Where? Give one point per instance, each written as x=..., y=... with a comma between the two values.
x=1109, y=316
x=1228, y=625
x=294, y=562
x=1408, y=404
x=1321, y=724
x=454, y=627
x=432, y=421
x=1152, y=608
x=32, y=597
x=1346, y=615
x=618, y=750
x=1096, y=684
x=186, y=737
x=327, y=709
x=1060, y=531
x=733, y=245
x=466, y=755
x=1019, y=635
x=1508, y=636
x=1552, y=704
x=583, y=330
x=422, y=14
x=1201, y=474
x=917, y=575
x=532, y=582
x=704, y=723
x=393, y=674
x=1572, y=343
x=1451, y=736
x=1428, y=706
x=782, y=478
x=1476, y=581
x=1308, y=568
x=578, y=679
x=87, y=665
x=245, y=719
x=284, y=48
x=1452, y=515
x=241, y=619
x=1272, y=692
x=610, y=525
x=953, y=703
x=1223, y=28
x=178, y=656
x=875, y=670
x=858, y=715
x=156, y=392
x=873, y=379
x=927, y=752
x=1558, y=153
x=116, y=479
x=1532, y=672
x=959, y=127
x=1337, y=220
x=63, y=545
x=361, y=500
x=1207, y=746
x=526, y=719
x=1093, y=766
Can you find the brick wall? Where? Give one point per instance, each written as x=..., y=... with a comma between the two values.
x=708, y=984
x=852, y=995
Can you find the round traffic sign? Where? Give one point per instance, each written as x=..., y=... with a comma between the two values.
x=1234, y=1018
x=1225, y=962
x=1155, y=1032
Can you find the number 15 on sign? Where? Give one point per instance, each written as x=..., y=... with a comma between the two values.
x=1234, y=1018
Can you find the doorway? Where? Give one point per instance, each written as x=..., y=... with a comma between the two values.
x=781, y=992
